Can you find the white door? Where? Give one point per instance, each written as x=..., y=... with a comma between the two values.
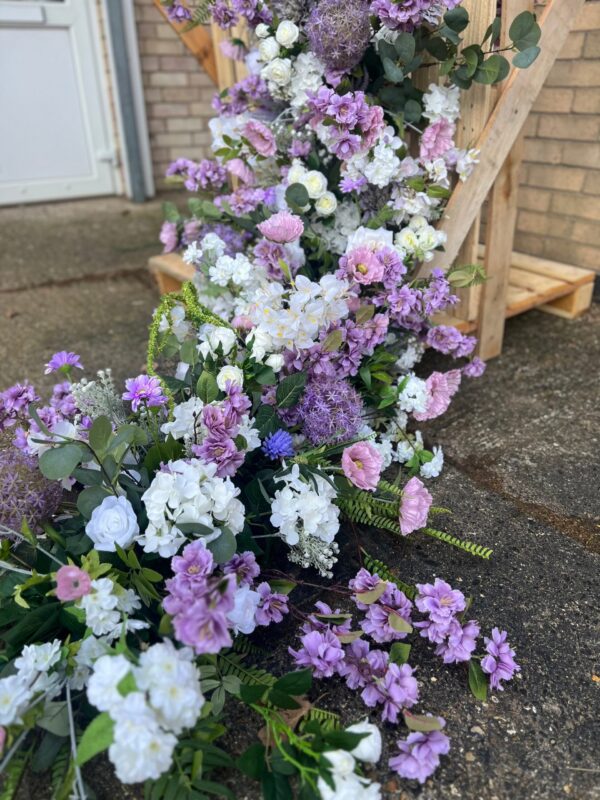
x=55, y=136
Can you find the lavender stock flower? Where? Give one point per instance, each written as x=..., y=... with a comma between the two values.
x=499, y=663
x=272, y=606
x=321, y=651
x=244, y=566
x=419, y=754
x=63, y=361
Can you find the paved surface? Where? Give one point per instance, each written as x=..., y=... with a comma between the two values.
x=522, y=476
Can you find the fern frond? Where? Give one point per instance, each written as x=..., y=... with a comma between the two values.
x=233, y=664
x=13, y=774
x=60, y=769
x=364, y=515
x=243, y=646
x=469, y=547
x=328, y=719
x=385, y=573
x=390, y=488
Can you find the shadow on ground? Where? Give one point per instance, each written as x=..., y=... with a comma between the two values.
x=522, y=476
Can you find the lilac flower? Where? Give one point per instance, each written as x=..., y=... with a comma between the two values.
x=439, y=601
x=220, y=450
x=362, y=665
x=144, y=389
x=177, y=12
x=223, y=15
x=380, y=615
x=363, y=582
x=169, y=237
x=202, y=627
x=460, y=643
x=313, y=623
x=437, y=296
x=499, y=663
x=396, y=690
x=299, y=149
x=419, y=754
x=14, y=403
x=272, y=606
x=475, y=368
x=351, y=185
x=344, y=144
x=321, y=651
x=449, y=340
x=330, y=411
x=193, y=566
x=244, y=566
x=236, y=404
x=278, y=445
x=62, y=399
x=436, y=139
x=63, y=362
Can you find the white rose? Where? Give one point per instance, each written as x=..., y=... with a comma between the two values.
x=262, y=30
x=279, y=71
x=229, y=373
x=268, y=49
x=225, y=337
x=296, y=171
x=113, y=522
x=287, y=33
x=326, y=205
x=369, y=748
x=315, y=183
x=275, y=361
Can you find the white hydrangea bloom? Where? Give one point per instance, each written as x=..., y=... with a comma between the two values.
x=102, y=685
x=441, y=102
x=414, y=395
x=246, y=602
x=186, y=418
x=15, y=695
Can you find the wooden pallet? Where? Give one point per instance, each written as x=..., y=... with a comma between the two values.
x=560, y=289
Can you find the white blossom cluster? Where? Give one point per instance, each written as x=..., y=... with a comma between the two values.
x=166, y=699
x=188, y=492
x=346, y=219
x=380, y=165
x=293, y=318
x=315, y=183
x=35, y=674
x=106, y=605
x=307, y=519
x=419, y=240
x=348, y=785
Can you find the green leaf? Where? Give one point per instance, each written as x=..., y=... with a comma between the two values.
x=89, y=499
x=55, y=718
x=399, y=624
x=265, y=375
x=405, y=47
x=252, y=761
x=100, y=434
x=365, y=374
x=473, y=56
x=368, y=598
x=267, y=421
x=437, y=47
x=421, y=722
x=224, y=547
x=206, y=388
x=295, y=683
x=493, y=69
x=457, y=19
x=251, y=694
x=521, y=25
x=477, y=681
x=364, y=313
x=412, y=111
x=297, y=195
x=526, y=57
x=399, y=652
x=170, y=212
x=59, y=462
x=438, y=192
x=96, y=738
x=343, y=739
x=290, y=390
x=282, y=585
x=276, y=786
x=392, y=71
x=282, y=700
x=493, y=32
x=386, y=50
x=333, y=341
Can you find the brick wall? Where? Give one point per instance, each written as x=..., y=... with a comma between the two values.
x=559, y=198
x=177, y=92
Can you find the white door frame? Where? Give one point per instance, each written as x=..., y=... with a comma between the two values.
x=80, y=17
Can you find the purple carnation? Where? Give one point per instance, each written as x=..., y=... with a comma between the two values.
x=321, y=651
x=419, y=754
x=499, y=663
x=330, y=411
x=475, y=368
x=219, y=449
x=145, y=389
x=63, y=362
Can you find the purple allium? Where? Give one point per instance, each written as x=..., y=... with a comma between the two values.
x=499, y=663
x=272, y=606
x=439, y=601
x=339, y=34
x=321, y=651
x=475, y=368
x=63, y=362
x=396, y=690
x=176, y=12
x=460, y=643
x=378, y=617
x=24, y=492
x=278, y=445
x=330, y=411
x=419, y=754
x=244, y=566
x=145, y=389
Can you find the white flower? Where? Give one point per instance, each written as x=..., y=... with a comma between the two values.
x=184, y=419
x=14, y=698
x=342, y=762
x=175, y=320
x=90, y=649
x=441, y=101
x=375, y=239
x=36, y=658
x=287, y=33
x=246, y=602
x=113, y=523
x=414, y=396
x=326, y=204
x=433, y=468
x=275, y=361
x=278, y=71
x=262, y=30
x=268, y=49
x=229, y=373
x=100, y=606
x=58, y=433
x=296, y=172
x=315, y=183
x=102, y=689
x=369, y=748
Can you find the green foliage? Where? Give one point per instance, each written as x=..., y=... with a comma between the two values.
x=290, y=389
x=385, y=573
x=13, y=774
x=469, y=547
x=98, y=736
x=477, y=681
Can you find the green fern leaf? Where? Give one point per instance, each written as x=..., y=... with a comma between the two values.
x=386, y=574
x=469, y=547
x=232, y=664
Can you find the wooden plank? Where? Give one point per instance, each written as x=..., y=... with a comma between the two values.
x=226, y=76
x=519, y=300
x=541, y=284
x=173, y=265
x=573, y=305
x=475, y=109
x=198, y=41
x=503, y=128
x=576, y=276
x=500, y=231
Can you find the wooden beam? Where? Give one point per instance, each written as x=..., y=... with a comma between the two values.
x=501, y=221
x=504, y=127
x=197, y=40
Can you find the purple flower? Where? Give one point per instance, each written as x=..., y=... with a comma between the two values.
x=339, y=34
x=475, y=368
x=299, y=149
x=330, y=411
x=460, y=643
x=380, y=615
x=419, y=754
x=63, y=362
x=278, y=445
x=362, y=665
x=203, y=628
x=144, y=389
x=362, y=582
x=499, y=663
x=24, y=492
x=14, y=403
x=244, y=566
x=193, y=566
x=321, y=651
x=439, y=601
x=344, y=144
x=219, y=449
x=396, y=690
x=313, y=623
x=169, y=237
x=62, y=399
x=272, y=606
x=177, y=12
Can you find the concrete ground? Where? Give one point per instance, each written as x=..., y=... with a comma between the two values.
x=522, y=476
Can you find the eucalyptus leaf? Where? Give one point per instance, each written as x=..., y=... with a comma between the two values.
x=59, y=461
x=223, y=548
x=100, y=434
x=526, y=57
x=206, y=388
